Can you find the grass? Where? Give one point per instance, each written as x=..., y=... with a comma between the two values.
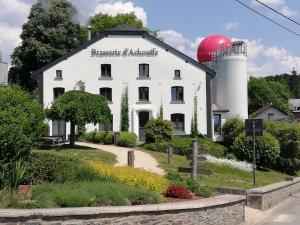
x=223, y=176
x=84, y=153
x=85, y=195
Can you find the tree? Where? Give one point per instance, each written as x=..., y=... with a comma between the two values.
x=49, y=33
x=124, y=111
x=262, y=92
x=79, y=107
x=21, y=124
x=102, y=22
x=158, y=130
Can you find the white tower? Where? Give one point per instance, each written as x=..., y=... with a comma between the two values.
x=3, y=71
x=230, y=86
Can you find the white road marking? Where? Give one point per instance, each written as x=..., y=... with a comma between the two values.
x=284, y=218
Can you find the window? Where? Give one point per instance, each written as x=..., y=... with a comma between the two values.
x=144, y=94
x=107, y=93
x=106, y=127
x=177, y=74
x=58, y=74
x=178, y=121
x=217, y=123
x=144, y=70
x=58, y=92
x=105, y=70
x=270, y=116
x=177, y=94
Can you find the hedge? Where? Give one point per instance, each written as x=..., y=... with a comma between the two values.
x=127, y=139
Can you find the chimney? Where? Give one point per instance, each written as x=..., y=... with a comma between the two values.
x=89, y=32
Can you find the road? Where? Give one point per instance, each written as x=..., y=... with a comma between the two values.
x=288, y=212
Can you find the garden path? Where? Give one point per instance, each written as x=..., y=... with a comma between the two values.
x=142, y=159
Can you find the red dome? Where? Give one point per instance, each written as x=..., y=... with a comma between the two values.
x=211, y=44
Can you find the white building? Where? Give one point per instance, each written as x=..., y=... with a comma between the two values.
x=3, y=71
x=155, y=73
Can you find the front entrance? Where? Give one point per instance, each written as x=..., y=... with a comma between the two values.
x=143, y=119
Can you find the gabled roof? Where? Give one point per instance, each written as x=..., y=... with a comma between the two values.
x=126, y=30
x=217, y=108
x=264, y=108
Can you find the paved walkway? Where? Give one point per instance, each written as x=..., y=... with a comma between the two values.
x=142, y=159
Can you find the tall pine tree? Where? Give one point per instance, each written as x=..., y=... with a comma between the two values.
x=49, y=33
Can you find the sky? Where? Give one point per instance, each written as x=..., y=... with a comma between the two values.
x=184, y=23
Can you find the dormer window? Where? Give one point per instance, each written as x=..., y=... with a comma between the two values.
x=105, y=70
x=58, y=75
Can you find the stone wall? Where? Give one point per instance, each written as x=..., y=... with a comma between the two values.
x=220, y=210
x=265, y=197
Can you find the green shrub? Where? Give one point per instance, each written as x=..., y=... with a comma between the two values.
x=181, y=145
x=158, y=130
x=127, y=139
x=267, y=149
x=289, y=166
x=190, y=184
x=231, y=129
x=109, y=138
x=161, y=146
x=46, y=167
x=90, y=136
x=17, y=175
x=100, y=137
x=288, y=136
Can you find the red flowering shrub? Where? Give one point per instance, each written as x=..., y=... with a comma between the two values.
x=177, y=191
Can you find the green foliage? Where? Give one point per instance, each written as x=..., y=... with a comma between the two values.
x=79, y=107
x=49, y=33
x=158, y=130
x=288, y=136
x=190, y=184
x=127, y=139
x=231, y=129
x=47, y=167
x=291, y=80
x=102, y=22
x=93, y=137
x=267, y=149
x=262, y=92
x=109, y=138
x=161, y=112
x=21, y=123
x=124, y=111
x=289, y=166
x=212, y=148
x=159, y=146
x=91, y=194
x=17, y=175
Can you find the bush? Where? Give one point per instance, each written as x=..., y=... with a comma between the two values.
x=289, y=166
x=288, y=136
x=90, y=136
x=190, y=184
x=231, y=129
x=212, y=148
x=177, y=191
x=181, y=145
x=158, y=130
x=139, y=178
x=161, y=146
x=267, y=149
x=100, y=137
x=109, y=138
x=45, y=167
x=127, y=139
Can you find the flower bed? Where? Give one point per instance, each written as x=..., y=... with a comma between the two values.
x=133, y=176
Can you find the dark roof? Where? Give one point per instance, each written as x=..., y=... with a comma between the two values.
x=129, y=30
x=264, y=108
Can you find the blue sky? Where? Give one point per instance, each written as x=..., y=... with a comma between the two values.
x=183, y=24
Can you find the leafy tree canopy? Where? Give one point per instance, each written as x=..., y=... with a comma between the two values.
x=102, y=22
x=262, y=92
x=80, y=108
x=48, y=34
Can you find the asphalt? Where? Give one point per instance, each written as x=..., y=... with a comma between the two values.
x=287, y=212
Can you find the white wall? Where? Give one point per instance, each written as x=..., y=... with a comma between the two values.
x=264, y=115
x=3, y=73
x=125, y=71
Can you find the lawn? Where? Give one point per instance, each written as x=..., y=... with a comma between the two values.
x=223, y=176
x=83, y=153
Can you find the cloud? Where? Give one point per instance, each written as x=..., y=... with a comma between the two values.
x=114, y=8
x=232, y=26
x=274, y=3
x=262, y=60
x=287, y=12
